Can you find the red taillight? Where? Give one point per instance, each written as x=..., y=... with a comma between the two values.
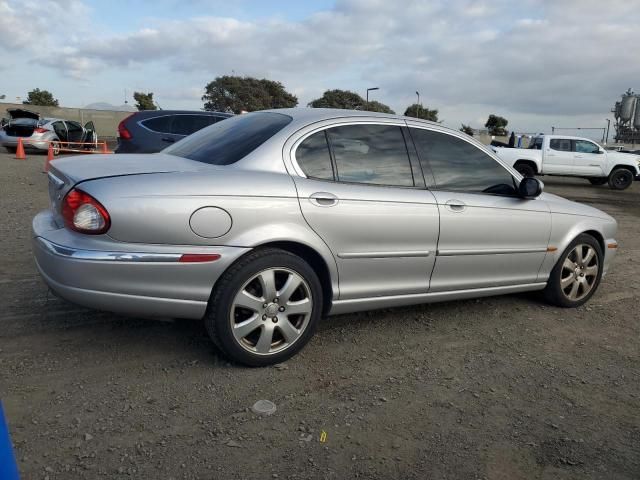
x=123, y=132
x=40, y=130
x=84, y=214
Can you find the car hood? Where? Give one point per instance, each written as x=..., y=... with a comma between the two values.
x=627, y=158
x=22, y=113
x=73, y=170
x=558, y=204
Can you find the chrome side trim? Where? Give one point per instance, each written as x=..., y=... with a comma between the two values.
x=371, y=303
x=100, y=256
x=417, y=253
x=492, y=251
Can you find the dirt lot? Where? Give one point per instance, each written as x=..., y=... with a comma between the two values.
x=499, y=388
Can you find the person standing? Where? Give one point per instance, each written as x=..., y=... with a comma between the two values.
x=512, y=140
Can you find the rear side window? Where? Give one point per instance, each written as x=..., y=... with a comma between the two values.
x=158, y=124
x=536, y=143
x=459, y=166
x=188, y=124
x=373, y=154
x=560, y=144
x=224, y=143
x=314, y=158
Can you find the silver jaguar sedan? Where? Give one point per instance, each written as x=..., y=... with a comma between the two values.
x=262, y=224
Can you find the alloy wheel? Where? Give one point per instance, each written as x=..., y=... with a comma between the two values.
x=271, y=311
x=579, y=272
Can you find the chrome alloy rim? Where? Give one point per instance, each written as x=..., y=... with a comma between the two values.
x=271, y=311
x=579, y=272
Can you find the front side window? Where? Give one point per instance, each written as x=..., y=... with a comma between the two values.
x=224, y=143
x=314, y=158
x=584, y=146
x=158, y=124
x=459, y=166
x=560, y=144
x=371, y=154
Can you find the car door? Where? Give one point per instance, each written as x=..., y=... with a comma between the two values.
x=359, y=190
x=75, y=133
x=489, y=236
x=90, y=137
x=589, y=159
x=558, y=157
x=161, y=133
x=60, y=130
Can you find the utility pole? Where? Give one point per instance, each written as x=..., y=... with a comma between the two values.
x=418, y=109
x=368, y=90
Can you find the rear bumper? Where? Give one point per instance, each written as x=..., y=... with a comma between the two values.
x=131, y=279
x=12, y=142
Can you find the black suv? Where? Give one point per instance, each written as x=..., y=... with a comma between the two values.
x=150, y=131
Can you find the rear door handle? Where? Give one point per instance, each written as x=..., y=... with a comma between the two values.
x=323, y=199
x=455, y=205
x=168, y=139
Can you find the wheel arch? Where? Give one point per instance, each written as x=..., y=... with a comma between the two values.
x=527, y=161
x=634, y=171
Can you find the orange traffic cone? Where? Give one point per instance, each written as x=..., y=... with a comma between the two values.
x=20, y=150
x=49, y=157
x=104, y=147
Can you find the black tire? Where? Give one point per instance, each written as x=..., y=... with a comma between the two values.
x=218, y=317
x=525, y=170
x=598, y=181
x=620, y=179
x=553, y=292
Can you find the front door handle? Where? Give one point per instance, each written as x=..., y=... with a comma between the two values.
x=168, y=139
x=323, y=199
x=455, y=205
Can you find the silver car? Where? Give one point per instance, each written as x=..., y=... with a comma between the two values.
x=37, y=132
x=262, y=224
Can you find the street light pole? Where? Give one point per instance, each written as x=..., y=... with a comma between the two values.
x=368, y=90
x=418, y=109
x=608, y=125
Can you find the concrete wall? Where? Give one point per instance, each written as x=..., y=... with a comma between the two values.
x=106, y=121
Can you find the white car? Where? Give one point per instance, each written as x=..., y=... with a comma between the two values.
x=573, y=157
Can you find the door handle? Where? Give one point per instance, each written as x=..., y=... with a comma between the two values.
x=323, y=199
x=168, y=139
x=455, y=205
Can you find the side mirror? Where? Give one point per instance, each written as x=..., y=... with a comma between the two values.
x=529, y=188
x=600, y=151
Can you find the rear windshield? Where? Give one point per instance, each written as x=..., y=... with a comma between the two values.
x=227, y=142
x=25, y=121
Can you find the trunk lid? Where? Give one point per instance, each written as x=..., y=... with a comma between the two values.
x=15, y=113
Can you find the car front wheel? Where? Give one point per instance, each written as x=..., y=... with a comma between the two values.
x=577, y=274
x=265, y=308
x=620, y=179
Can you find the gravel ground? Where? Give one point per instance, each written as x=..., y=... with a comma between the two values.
x=497, y=388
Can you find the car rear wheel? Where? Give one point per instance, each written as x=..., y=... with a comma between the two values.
x=265, y=308
x=577, y=274
x=620, y=179
x=525, y=169
x=598, y=181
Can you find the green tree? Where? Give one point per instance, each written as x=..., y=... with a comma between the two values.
x=144, y=101
x=374, y=106
x=40, y=97
x=496, y=125
x=340, y=99
x=418, y=111
x=236, y=94
x=467, y=129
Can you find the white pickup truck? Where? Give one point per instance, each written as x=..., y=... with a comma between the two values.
x=574, y=157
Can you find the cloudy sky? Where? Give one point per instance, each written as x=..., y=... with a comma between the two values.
x=537, y=62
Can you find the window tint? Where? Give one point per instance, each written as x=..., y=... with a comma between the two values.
x=584, y=146
x=60, y=130
x=459, y=166
x=374, y=154
x=313, y=157
x=560, y=144
x=73, y=127
x=536, y=143
x=229, y=141
x=159, y=124
x=187, y=124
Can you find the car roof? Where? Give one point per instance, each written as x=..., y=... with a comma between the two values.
x=160, y=113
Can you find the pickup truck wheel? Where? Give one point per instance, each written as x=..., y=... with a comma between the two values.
x=620, y=179
x=264, y=308
x=598, y=181
x=525, y=169
x=576, y=275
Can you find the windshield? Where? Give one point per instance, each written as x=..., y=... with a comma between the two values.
x=228, y=141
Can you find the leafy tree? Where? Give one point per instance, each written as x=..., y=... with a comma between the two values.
x=374, y=106
x=344, y=99
x=496, y=125
x=144, y=101
x=40, y=97
x=236, y=94
x=418, y=111
x=466, y=129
